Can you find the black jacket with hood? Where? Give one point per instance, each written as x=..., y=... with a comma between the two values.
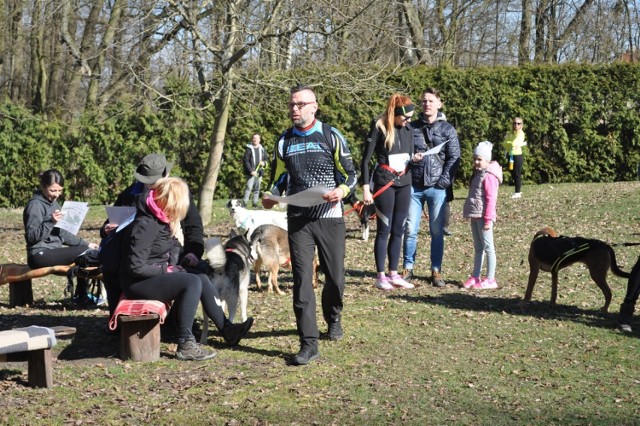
x=149, y=249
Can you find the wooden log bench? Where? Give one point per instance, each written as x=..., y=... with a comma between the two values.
x=32, y=344
x=19, y=278
x=139, y=322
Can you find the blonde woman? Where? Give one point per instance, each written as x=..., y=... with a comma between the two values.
x=150, y=269
x=391, y=141
x=513, y=143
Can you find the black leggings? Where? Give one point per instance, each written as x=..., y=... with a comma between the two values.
x=393, y=203
x=208, y=295
x=516, y=173
x=633, y=286
x=53, y=257
x=183, y=288
x=59, y=256
x=208, y=299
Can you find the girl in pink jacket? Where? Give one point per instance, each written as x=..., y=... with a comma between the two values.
x=480, y=207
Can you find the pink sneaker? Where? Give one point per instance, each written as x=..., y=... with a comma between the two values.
x=471, y=281
x=384, y=284
x=486, y=284
x=398, y=281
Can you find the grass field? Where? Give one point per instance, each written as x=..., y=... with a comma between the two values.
x=422, y=356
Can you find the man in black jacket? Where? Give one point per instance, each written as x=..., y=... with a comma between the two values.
x=254, y=162
x=430, y=179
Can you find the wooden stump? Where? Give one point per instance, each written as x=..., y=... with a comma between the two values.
x=20, y=293
x=140, y=337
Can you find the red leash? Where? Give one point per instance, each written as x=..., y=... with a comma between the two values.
x=381, y=190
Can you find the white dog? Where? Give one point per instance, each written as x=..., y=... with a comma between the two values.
x=248, y=220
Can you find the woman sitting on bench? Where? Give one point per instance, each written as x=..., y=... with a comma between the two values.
x=149, y=268
x=46, y=243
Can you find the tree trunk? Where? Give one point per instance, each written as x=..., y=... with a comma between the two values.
x=541, y=28
x=525, y=33
x=107, y=39
x=207, y=191
x=416, y=30
x=81, y=67
x=39, y=78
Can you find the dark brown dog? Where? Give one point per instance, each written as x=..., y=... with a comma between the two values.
x=551, y=252
x=270, y=248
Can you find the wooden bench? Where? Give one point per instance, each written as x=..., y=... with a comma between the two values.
x=19, y=278
x=32, y=344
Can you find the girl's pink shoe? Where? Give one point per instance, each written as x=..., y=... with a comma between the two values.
x=471, y=281
x=486, y=284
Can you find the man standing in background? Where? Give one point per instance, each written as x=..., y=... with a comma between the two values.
x=254, y=162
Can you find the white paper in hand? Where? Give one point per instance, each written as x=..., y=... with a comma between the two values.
x=307, y=198
x=73, y=213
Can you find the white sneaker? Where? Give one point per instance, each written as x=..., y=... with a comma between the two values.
x=517, y=195
x=384, y=284
x=398, y=281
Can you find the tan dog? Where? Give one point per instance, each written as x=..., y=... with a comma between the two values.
x=551, y=252
x=270, y=248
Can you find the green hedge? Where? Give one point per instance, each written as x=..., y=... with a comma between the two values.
x=581, y=122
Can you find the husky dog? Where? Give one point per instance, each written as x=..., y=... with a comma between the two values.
x=248, y=220
x=551, y=252
x=229, y=269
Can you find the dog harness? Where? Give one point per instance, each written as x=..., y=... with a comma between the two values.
x=562, y=256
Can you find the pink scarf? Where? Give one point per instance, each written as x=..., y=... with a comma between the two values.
x=157, y=211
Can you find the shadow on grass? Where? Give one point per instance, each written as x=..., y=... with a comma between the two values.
x=515, y=306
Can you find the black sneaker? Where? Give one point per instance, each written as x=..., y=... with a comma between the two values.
x=190, y=350
x=233, y=333
x=335, y=331
x=305, y=356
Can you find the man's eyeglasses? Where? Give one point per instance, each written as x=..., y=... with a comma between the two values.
x=515, y=123
x=299, y=105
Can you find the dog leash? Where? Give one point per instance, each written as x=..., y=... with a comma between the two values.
x=385, y=187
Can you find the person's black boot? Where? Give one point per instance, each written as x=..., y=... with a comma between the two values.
x=625, y=317
x=335, y=332
x=305, y=356
x=233, y=333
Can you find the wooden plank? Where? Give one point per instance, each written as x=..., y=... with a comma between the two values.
x=63, y=330
x=40, y=368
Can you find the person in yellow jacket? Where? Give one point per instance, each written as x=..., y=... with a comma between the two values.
x=513, y=143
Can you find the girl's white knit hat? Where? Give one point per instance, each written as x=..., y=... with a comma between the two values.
x=483, y=150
